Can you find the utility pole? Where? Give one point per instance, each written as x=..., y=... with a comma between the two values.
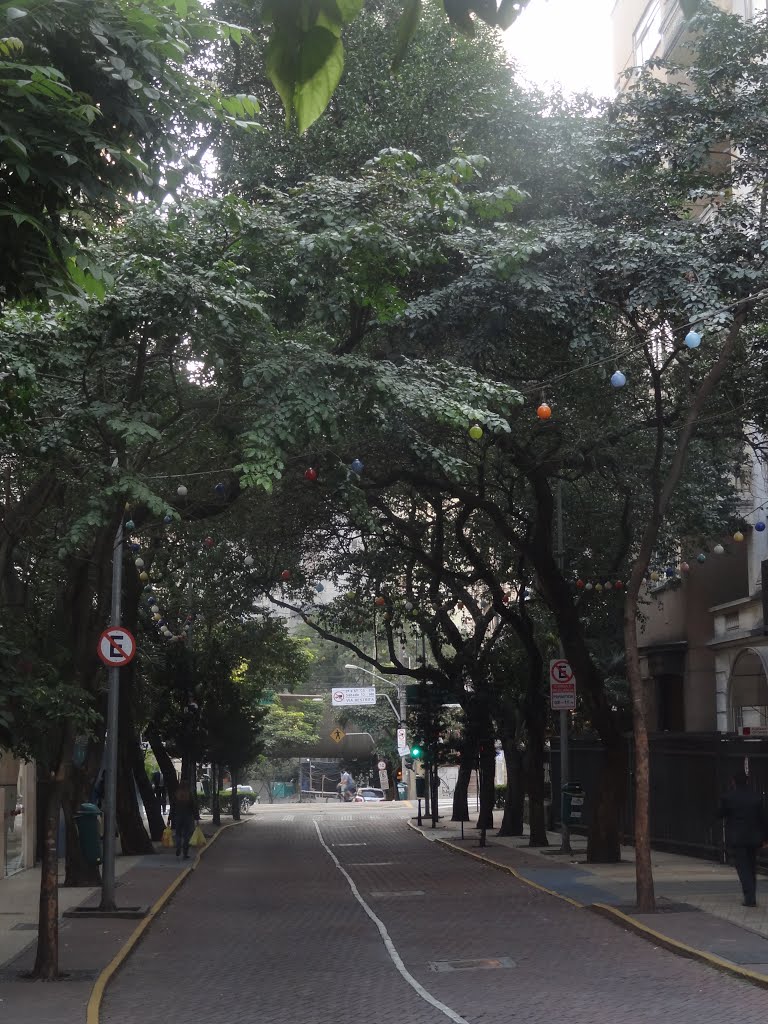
x=110, y=753
x=565, y=835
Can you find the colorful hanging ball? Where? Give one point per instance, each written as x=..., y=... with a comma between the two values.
x=619, y=585
x=143, y=576
x=693, y=339
x=618, y=380
x=599, y=588
x=319, y=588
x=285, y=574
x=409, y=606
x=356, y=466
x=157, y=616
x=168, y=519
x=579, y=584
x=587, y=586
x=155, y=609
x=608, y=585
x=718, y=549
x=738, y=536
x=379, y=601
x=701, y=557
x=209, y=542
x=669, y=572
x=220, y=489
x=139, y=563
x=760, y=526
x=544, y=411
x=182, y=491
x=310, y=474
x=475, y=431
x=130, y=525
x=655, y=576
x=135, y=547
x=351, y=595
x=684, y=567
x=248, y=561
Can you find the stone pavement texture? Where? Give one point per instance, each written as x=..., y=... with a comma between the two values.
x=269, y=931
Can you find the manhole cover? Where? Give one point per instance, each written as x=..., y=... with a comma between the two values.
x=486, y=964
x=396, y=894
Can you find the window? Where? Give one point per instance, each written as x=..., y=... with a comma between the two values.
x=647, y=35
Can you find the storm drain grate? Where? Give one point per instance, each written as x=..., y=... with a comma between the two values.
x=396, y=894
x=15, y=974
x=487, y=964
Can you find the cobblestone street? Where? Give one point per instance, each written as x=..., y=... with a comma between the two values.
x=270, y=930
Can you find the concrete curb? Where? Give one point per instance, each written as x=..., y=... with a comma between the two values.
x=617, y=917
x=100, y=985
x=499, y=867
x=676, y=946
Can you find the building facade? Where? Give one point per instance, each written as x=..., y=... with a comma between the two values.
x=18, y=815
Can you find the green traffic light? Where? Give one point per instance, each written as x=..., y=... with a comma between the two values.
x=415, y=751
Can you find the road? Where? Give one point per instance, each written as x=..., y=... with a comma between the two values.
x=342, y=915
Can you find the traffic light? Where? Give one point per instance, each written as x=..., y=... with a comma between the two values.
x=416, y=751
x=409, y=763
x=399, y=774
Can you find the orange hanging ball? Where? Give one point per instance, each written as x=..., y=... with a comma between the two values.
x=544, y=411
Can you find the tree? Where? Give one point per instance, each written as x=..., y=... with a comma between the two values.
x=283, y=729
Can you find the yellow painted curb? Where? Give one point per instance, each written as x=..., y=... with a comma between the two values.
x=500, y=867
x=680, y=947
x=100, y=985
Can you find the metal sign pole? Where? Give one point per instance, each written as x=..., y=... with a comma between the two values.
x=110, y=757
x=565, y=835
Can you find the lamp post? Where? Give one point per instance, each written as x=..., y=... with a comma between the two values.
x=399, y=715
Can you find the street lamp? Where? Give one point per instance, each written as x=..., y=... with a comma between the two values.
x=401, y=699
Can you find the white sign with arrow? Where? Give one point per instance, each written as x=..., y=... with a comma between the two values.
x=348, y=695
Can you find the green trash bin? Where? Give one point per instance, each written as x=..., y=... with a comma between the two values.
x=88, y=831
x=402, y=791
x=572, y=803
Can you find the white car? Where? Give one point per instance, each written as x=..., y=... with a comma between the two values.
x=367, y=795
x=246, y=794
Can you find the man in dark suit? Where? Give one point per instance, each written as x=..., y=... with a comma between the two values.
x=746, y=830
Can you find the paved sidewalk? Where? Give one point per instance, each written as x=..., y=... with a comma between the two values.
x=699, y=902
x=85, y=946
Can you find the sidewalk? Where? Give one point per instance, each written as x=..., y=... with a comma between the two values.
x=86, y=946
x=698, y=902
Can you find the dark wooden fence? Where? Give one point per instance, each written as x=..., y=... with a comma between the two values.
x=689, y=771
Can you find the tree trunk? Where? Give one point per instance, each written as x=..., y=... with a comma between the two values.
x=146, y=792
x=646, y=900
x=47, y=956
x=512, y=820
x=134, y=839
x=534, y=772
x=235, y=796
x=460, y=802
x=164, y=762
x=604, y=835
x=215, y=802
x=487, y=786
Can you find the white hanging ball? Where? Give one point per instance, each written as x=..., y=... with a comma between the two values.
x=155, y=609
x=618, y=380
x=693, y=339
x=139, y=563
x=248, y=561
x=718, y=549
x=181, y=490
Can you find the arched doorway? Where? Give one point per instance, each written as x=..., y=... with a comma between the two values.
x=748, y=689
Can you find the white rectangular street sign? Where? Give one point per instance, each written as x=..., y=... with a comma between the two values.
x=402, y=743
x=562, y=686
x=383, y=780
x=353, y=695
x=753, y=730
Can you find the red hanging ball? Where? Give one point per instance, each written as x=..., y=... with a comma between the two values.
x=209, y=542
x=310, y=474
x=579, y=584
x=379, y=601
x=618, y=585
x=286, y=574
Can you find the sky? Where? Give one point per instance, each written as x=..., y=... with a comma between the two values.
x=565, y=41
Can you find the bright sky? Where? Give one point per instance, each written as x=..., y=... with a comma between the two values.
x=565, y=41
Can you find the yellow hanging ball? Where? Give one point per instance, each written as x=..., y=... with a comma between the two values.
x=738, y=536
x=475, y=431
x=143, y=576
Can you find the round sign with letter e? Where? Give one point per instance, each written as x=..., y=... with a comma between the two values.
x=117, y=646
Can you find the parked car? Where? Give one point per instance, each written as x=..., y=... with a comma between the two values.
x=246, y=794
x=367, y=795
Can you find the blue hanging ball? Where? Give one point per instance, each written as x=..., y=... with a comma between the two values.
x=220, y=489
x=701, y=557
x=135, y=547
x=692, y=339
x=319, y=588
x=760, y=526
x=618, y=380
x=130, y=525
x=357, y=466
x=669, y=571
x=168, y=519
x=151, y=600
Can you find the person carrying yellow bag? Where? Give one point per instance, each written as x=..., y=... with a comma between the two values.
x=198, y=838
x=167, y=839
x=183, y=816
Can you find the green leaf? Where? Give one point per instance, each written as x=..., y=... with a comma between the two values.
x=321, y=63
x=11, y=46
x=406, y=29
x=14, y=13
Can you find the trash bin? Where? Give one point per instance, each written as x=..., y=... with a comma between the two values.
x=572, y=803
x=88, y=831
x=421, y=787
x=402, y=791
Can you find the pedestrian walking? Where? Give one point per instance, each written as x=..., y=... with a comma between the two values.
x=746, y=830
x=183, y=818
x=158, y=785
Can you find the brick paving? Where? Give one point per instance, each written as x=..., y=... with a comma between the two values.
x=259, y=933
